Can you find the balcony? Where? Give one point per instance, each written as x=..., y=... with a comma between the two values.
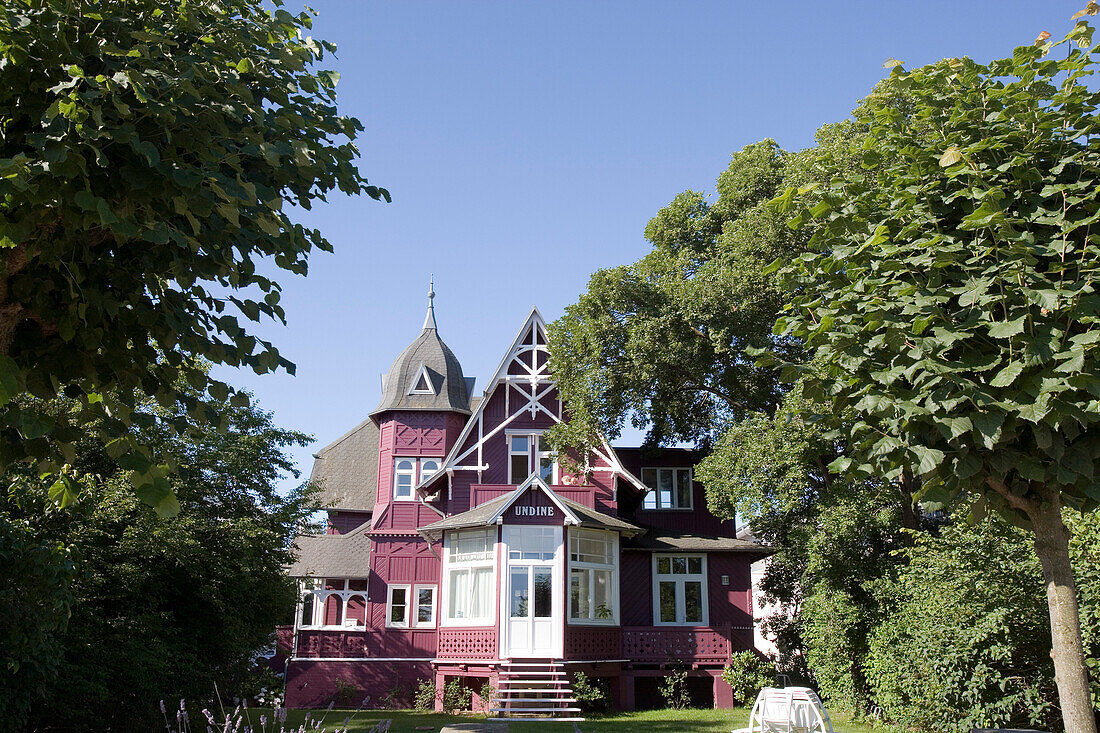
x=692, y=645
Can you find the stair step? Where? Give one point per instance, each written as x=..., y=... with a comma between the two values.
x=545, y=691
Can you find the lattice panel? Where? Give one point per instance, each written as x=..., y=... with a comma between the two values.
x=592, y=643
x=467, y=644
x=331, y=644
x=656, y=644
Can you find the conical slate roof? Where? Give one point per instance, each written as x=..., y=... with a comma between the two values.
x=426, y=375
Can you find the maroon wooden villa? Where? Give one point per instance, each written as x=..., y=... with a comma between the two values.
x=458, y=547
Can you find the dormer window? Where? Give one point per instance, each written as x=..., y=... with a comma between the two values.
x=669, y=488
x=423, y=383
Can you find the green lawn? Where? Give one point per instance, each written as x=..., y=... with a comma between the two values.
x=651, y=721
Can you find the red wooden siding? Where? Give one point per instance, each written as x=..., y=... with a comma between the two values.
x=636, y=589
x=312, y=684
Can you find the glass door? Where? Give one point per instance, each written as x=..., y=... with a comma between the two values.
x=533, y=602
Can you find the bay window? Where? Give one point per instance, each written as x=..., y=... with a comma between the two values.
x=593, y=590
x=680, y=590
x=469, y=577
x=669, y=488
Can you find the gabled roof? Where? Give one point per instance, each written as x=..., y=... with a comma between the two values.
x=426, y=355
x=534, y=323
x=333, y=555
x=487, y=514
x=347, y=469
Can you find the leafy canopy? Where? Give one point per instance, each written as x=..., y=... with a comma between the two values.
x=148, y=153
x=160, y=609
x=949, y=293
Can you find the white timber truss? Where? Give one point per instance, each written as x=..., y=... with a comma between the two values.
x=524, y=374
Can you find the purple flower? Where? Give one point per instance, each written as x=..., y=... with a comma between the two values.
x=162, y=708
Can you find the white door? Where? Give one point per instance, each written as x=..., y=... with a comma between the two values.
x=533, y=602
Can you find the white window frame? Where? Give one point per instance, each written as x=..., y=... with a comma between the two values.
x=655, y=491
x=590, y=568
x=417, y=473
x=680, y=579
x=414, y=613
x=430, y=390
x=410, y=472
x=390, y=588
x=451, y=565
x=534, y=455
x=321, y=594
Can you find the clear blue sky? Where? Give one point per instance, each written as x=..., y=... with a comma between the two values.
x=527, y=144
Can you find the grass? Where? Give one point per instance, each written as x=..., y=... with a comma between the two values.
x=651, y=721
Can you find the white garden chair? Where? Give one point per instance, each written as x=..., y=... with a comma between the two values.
x=788, y=710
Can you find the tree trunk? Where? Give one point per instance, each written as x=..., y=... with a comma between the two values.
x=1070, y=673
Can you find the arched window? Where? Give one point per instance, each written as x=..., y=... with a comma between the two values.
x=404, y=474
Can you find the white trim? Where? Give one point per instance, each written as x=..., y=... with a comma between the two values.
x=558, y=608
x=655, y=491
x=443, y=601
x=414, y=616
x=570, y=517
x=427, y=377
x=390, y=588
x=410, y=472
x=679, y=579
x=613, y=567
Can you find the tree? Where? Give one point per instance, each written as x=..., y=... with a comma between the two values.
x=148, y=152
x=969, y=604
x=949, y=303
x=166, y=609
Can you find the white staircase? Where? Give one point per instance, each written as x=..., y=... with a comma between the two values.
x=535, y=688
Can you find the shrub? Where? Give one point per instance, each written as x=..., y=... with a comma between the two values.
x=397, y=696
x=345, y=695
x=967, y=644
x=674, y=687
x=488, y=696
x=424, y=695
x=456, y=696
x=747, y=673
x=592, y=695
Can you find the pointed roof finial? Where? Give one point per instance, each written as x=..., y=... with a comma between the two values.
x=429, y=319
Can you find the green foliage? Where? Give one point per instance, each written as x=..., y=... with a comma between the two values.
x=36, y=574
x=971, y=606
x=660, y=341
x=674, y=688
x=167, y=609
x=593, y=695
x=345, y=695
x=948, y=295
x=747, y=673
x=424, y=695
x=488, y=696
x=456, y=696
x=149, y=153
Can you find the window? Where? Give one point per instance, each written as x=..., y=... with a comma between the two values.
x=410, y=605
x=397, y=606
x=669, y=488
x=423, y=382
x=425, y=605
x=408, y=472
x=521, y=450
x=680, y=590
x=469, y=576
x=535, y=543
x=592, y=576
x=333, y=602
